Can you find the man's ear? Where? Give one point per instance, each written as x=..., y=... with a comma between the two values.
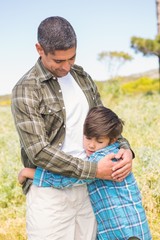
x=39, y=49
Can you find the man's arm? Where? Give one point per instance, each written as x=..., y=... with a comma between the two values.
x=35, y=140
x=124, y=165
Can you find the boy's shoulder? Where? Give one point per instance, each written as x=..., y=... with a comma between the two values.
x=96, y=156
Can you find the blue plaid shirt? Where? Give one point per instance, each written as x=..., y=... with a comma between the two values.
x=117, y=205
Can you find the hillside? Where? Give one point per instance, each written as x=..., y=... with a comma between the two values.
x=151, y=73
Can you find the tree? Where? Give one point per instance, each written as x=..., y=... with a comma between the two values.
x=149, y=47
x=158, y=15
x=114, y=60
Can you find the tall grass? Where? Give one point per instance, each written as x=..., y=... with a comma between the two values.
x=141, y=114
x=12, y=207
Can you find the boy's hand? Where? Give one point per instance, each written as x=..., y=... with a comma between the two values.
x=21, y=177
x=26, y=173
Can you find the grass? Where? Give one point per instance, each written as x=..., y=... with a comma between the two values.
x=12, y=202
x=142, y=128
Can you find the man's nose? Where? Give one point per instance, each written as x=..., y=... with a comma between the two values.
x=67, y=66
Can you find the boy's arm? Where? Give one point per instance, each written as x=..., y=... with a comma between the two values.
x=25, y=173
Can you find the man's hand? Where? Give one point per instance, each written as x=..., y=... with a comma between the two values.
x=124, y=166
x=105, y=166
x=116, y=171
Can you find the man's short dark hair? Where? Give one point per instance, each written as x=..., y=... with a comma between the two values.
x=56, y=33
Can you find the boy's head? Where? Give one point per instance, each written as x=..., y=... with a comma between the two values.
x=101, y=128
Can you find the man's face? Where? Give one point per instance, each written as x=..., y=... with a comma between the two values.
x=59, y=63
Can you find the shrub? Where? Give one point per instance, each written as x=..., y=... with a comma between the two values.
x=141, y=85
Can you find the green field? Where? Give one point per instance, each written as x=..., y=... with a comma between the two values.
x=141, y=114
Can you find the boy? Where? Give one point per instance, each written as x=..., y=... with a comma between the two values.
x=117, y=205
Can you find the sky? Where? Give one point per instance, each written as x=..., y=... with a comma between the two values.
x=100, y=25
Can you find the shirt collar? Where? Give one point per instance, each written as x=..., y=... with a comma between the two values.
x=42, y=73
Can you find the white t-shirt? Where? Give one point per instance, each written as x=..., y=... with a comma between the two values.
x=76, y=107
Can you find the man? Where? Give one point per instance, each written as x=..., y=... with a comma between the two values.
x=49, y=106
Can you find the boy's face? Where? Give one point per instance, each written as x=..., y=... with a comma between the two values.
x=93, y=144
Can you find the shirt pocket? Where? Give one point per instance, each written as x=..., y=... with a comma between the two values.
x=52, y=116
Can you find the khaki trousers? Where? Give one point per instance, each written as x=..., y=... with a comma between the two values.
x=60, y=214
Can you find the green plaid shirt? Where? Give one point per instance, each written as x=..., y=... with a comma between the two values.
x=39, y=115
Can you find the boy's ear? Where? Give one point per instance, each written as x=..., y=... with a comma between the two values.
x=113, y=140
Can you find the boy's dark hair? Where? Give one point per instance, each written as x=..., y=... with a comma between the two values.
x=56, y=33
x=102, y=121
